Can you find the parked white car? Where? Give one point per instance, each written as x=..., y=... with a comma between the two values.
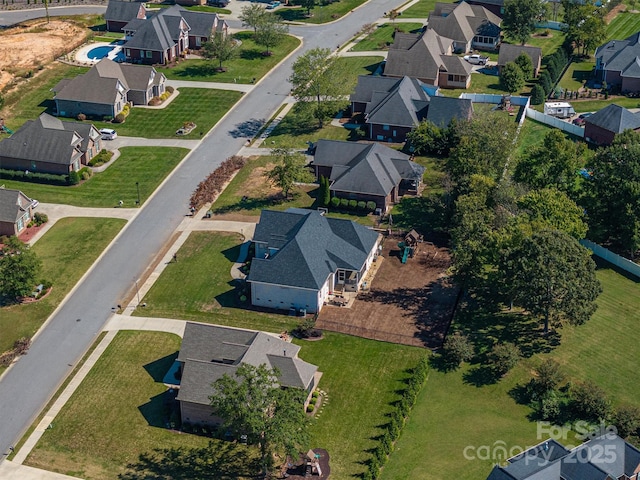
x=476, y=59
x=108, y=134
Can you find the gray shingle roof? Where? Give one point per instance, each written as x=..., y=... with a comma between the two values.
x=311, y=247
x=621, y=56
x=154, y=34
x=124, y=11
x=364, y=168
x=13, y=205
x=44, y=139
x=209, y=352
x=463, y=22
x=509, y=52
x=423, y=56
x=614, y=118
x=201, y=23
x=444, y=109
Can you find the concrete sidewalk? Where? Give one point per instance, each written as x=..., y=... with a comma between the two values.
x=14, y=471
x=238, y=87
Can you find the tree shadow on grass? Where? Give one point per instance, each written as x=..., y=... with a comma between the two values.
x=252, y=54
x=222, y=460
x=157, y=411
x=158, y=368
x=480, y=376
x=248, y=128
x=425, y=214
x=248, y=204
x=197, y=70
x=292, y=14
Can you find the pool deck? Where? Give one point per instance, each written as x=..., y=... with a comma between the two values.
x=81, y=54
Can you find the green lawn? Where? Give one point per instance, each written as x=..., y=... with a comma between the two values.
x=549, y=43
x=481, y=415
x=195, y=8
x=148, y=166
x=203, y=106
x=578, y=71
x=480, y=83
x=67, y=250
x=595, y=105
x=199, y=287
x=117, y=414
x=361, y=383
x=382, y=37
x=420, y=9
x=250, y=64
x=35, y=97
x=361, y=65
x=623, y=25
x=319, y=13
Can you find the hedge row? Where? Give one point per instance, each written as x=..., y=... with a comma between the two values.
x=345, y=203
x=556, y=63
x=207, y=189
x=398, y=419
x=20, y=347
x=34, y=177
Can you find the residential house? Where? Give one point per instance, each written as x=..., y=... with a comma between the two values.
x=508, y=53
x=49, y=145
x=106, y=88
x=618, y=64
x=471, y=27
x=494, y=6
x=208, y=352
x=427, y=57
x=301, y=257
x=392, y=107
x=167, y=34
x=15, y=212
x=369, y=172
x=606, y=457
x=602, y=127
x=119, y=13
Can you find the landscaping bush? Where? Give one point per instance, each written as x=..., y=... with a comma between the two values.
x=82, y=117
x=74, y=178
x=310, y=408
x=207, y=189
x=119, y=118
x=371, y=205
x=101, y=158
x=40, y=219
x=335, y=202
x=155, y=101
x=344, y=203
x=504, y=357
x=537, y=94
x=545, y=81
x=590, y=402
x=457, y=349
x=21, y=176
x=126, y=110
x=362, y=205
x=107, y=118
x=548, y=377
x=549, y=408
x=169, y=89
x=85, y=173
x=353, y=204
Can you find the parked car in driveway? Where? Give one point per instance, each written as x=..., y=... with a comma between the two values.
x=476, y=59
x=108, y=134
x=581, y=118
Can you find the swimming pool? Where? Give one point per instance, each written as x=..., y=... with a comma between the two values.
x=99, y=53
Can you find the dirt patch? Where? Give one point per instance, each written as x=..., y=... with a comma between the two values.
x=258, y=185
x=408, y=303
x=27, y=47
x=614, y=11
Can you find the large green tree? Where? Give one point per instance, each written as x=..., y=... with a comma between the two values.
x=526, y=65
x=251, y=403
x=290, y=168
x=321, y=82
x=584, y=24
x=520, y=17
x=553, y=277
x=251, y=15
x=270, y=31
x=19, y=269
x=220, y=47
x=614, y=194
x=512, y=77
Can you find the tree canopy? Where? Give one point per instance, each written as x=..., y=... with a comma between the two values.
x=251, y=15
x=512, y=77
x=290, y=168
x=220, y=47
x=585, y=27
x=270, y=31
x=520, y=17
x=526, y=65
x=321, y=82
x=553, y=277
x=252, y=403
x=19, y=269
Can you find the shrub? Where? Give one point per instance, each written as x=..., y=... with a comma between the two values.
x=40, y=219
x=126, y=110
x=82, y=117
x=353, y=204
x=374, y=467
x=550, y=406
x=169, y=89
x=537, y=94
x=73, y=178
x=335, y=202
x=545, y=81
x=310, y=408
x=504, y=357
x=107, y=118
x=371, y=205
x=362, y=205
x=85, y=173
x=21, y=176
x=344, y=203
x=627, y=420
x=589, y=402
x=457, y=349
x=119, y=118
x=548, y=377
x=387, y=444
x=155, y=101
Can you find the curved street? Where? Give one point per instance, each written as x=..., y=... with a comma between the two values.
x=59, y=345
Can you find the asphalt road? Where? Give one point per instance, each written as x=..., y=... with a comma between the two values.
x=9, y=18
x=28, y=385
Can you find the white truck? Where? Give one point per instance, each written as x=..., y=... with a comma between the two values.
x=476, y=59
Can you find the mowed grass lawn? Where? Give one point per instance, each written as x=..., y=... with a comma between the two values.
x=146, y=165
x=67, y=250
x=452, y=413
x=623, y=25
x=383, y=36
x=117, y=414
x=251, y=63
x=579, y=70
x=203, y=106
x=361, y=378
x=420, y=9
x=199, y=287
x=319, y=13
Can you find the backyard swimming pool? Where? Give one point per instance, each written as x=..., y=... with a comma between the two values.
x=99, y=53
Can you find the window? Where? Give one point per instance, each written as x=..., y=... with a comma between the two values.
x=385, y=127
x=141, y=53
x=149, y=53
x=127, y=52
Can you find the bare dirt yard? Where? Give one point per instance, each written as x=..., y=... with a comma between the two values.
x=408, y=303
x=35, y=44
